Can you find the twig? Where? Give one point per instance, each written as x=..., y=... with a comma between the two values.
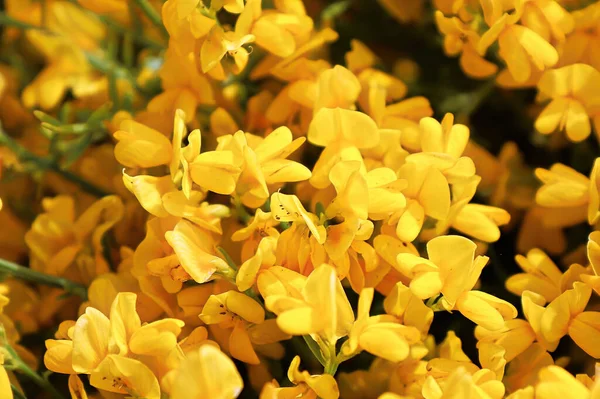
x=152, y=15
x=28, y=274
x=25, y=155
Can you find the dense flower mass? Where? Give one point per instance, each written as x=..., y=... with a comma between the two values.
x=356, y=199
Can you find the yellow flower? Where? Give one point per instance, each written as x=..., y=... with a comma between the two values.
x=574, y=92
x=109, y=349
x=381, y=335
x=459, y=38
x=582, y=44
x=261, y=161
x=63, y=245
x=127, y=376
x=411, y=311
x=375, y=194
x=140, y=146
x=428, y=194
x=452, y=271
x=218, y=43
x=184, y=86
x=321, y=308
x=206, y=373
x=541, y=276
x=245, y=318
x=554, y=381
x=299, y=247
x=564, y=315
x=105, y=288
x=462, y=383
x=264, y=257
x=515, y=337
x=571, y=191
x=306, y=385
x=343, y=133
x=62, y=44
x=405, y=116
x=523, y=50
x=194, y=250
x=280, y=32
x=547, y=18
x=523, y=371
x=261, y=225
x=336, y=88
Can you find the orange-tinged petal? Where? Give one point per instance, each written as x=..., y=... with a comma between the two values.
x=76, y=387
x=240, y=346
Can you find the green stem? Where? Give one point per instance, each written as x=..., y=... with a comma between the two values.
x=227, y=257
x=152, y=15
x=48, y=164
x=19, y=365
x=331, y=368
x=315, y=349
x=28, y=274
x=332, y=361
x=479, y=96
x=137, y=37
x=6, y=20
x=16, y=393
x=241, y=211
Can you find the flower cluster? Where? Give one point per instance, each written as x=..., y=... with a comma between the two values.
x=212, y=199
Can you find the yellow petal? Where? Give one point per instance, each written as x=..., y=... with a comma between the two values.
x=556, y=382
x=585, y=331
x=58, y=357
x=245, y=307
x=76, y=387
x=207, y=373
x=124, y=321
x=157, y=338
x=149, y=191
x=123, y=375
x=410, y=223
x=336, y=87
x=193, y=247
x=240, y=346
x=90, y=340
x=385, y=343
x=336, y=124
x=215, y=171
x=485, y=310
x=140, y=146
